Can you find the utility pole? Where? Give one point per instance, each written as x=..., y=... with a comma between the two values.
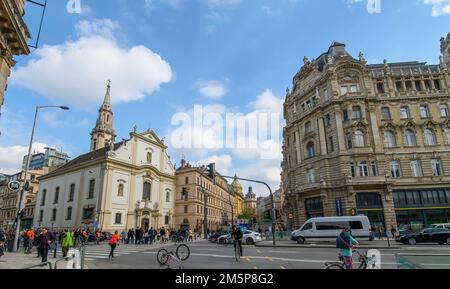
x=27, y=167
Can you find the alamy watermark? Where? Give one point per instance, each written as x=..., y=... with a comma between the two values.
x=257, y=132
x=74, y=7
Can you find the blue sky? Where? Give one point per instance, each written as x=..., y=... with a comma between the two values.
x=165, y=56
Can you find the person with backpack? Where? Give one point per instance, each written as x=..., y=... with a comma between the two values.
x=345, y=243
x=113, y=243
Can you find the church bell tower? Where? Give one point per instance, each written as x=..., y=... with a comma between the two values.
x=103, y=134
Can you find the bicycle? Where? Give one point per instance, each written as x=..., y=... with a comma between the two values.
x=165, y=257
x=362, y=259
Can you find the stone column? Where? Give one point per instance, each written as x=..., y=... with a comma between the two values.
x=322, y=138
x=389, y=209
x=340, y=130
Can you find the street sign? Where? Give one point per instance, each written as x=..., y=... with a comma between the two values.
x=14, y=186
x=339, y=210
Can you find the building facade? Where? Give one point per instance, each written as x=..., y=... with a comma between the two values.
x=13, y=38
x=50, y=158
x=250, y=200
x=368, y=139
x=238, y=198
x=10, y=199
x=193, y=188
x=116, y=187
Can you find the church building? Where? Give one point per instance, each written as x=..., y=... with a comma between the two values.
x=116, y=186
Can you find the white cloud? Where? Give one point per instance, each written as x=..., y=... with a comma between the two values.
x=11, y=157
x=438, y=7
x=75, y=73
x=223, y=163
x=211, y=89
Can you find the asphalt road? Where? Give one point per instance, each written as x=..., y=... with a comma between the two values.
x=206, y=255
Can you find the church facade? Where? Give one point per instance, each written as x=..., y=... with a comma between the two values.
x=116, y=186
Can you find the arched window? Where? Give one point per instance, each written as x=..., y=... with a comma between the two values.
x=44, y=195
x=430, y=137
x=55, y=201
x=149, y=157
x=447, y=136
x=184, y=194
x=410, y=138
x=91, y=189
x=118, y=219
x=359, y=138
x=311, y=151
x=120, y=190
x=71, y=192
x=389, y=139
x=167, y=196
x=146, y=195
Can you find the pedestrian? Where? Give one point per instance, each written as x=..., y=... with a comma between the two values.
x=66, y=243
x=97, y=236
x=380, y=232
x=162, y=234
x=191, y=236
x=30, y=235
x=393, y=232
x=113, y=243
x=44, y=245
x=123, y=236
x=146, y=237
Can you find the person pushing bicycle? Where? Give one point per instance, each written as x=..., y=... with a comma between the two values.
x=237, y=236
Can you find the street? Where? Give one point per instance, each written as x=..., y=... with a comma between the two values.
x=206, y=255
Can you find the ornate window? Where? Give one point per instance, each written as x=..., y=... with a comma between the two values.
x=311, y=175
x=120, y=190
x=430, y=137
x=146, y=194
x=349, y=139
x=184, y=194
x=385, y=113
x=424, y=111
x=396, y=171
x=363, y=169
x=410, y=138
x=167, y=196
x=416, y=168
x=118, y=219
x=447, y=136
x=356, y=112
x=311, y=151
x=389, y=139
x=405, y=113
x=359, y=138
x=444, y=110
x=436, y=167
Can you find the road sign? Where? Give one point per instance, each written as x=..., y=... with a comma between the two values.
x=14, y=186
x=339, y=210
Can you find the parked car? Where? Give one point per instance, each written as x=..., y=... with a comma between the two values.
x=429, y=235
x=249, y=238
x=327, y=229
x=213, y=238
x=441, y=226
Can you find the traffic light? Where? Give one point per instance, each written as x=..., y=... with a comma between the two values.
x=212, y=171
x=354, y=211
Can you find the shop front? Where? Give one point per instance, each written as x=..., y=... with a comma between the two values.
x=314, y=208
x=416, y=209
x=371, y=205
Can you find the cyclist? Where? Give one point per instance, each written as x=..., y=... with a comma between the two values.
x=237, y=236
x=345, y=243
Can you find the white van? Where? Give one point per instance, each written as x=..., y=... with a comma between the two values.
x=327, y=229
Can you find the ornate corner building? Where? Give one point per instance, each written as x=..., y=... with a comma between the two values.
x=13, y=38
x=368, y=139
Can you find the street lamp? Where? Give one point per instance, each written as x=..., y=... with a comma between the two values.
x=22, y=191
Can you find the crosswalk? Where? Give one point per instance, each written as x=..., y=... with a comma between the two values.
x=101, y=252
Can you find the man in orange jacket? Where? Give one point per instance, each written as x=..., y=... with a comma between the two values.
x=30, y=235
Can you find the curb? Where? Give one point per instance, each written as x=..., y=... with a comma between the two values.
x=325, y=247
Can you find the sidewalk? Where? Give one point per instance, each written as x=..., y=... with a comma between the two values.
x=20, y=260
x=378, y=244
